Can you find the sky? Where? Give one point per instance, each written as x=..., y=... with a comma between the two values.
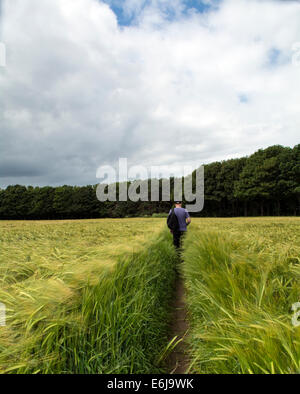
x=159, y=82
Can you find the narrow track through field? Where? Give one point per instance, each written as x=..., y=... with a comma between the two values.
x=178, y=361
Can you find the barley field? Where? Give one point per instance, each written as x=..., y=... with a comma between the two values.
x=242, y=278
x=86, y=296
x=95, y=296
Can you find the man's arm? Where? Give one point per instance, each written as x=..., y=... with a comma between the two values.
x=187, y=217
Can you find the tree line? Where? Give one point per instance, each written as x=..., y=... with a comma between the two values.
x=267, y=183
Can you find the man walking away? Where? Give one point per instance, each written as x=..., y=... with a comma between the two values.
x=183, y=219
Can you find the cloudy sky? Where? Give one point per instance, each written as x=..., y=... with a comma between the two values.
x=161, y=82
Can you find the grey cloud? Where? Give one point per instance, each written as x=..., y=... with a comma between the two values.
x=17, y=169
x=79, y=92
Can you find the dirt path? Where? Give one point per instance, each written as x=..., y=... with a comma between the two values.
x=178, y=361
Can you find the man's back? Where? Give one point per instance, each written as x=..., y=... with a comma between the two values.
x=182, y=214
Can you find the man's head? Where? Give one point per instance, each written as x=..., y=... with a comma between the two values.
x=178, y=204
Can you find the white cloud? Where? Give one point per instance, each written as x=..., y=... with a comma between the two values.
x=79, y=91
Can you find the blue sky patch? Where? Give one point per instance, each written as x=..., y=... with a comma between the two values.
x=243, y=98
x=197, y=5
x=276, y=58
x=273, y=56
x=126, y=19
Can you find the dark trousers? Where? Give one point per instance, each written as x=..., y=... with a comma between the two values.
x=177, y=238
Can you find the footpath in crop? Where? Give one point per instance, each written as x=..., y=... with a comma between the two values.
x=178, y=361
